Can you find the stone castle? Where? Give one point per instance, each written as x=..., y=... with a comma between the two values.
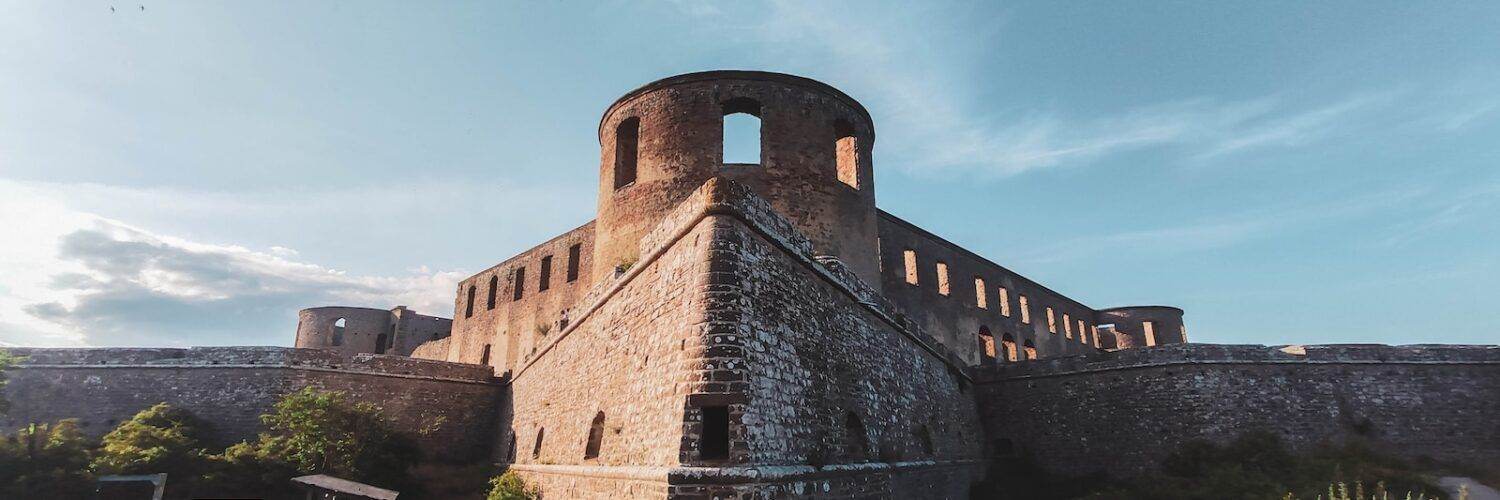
x=728, y=330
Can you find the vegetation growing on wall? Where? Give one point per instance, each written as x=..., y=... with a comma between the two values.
x=6, y=362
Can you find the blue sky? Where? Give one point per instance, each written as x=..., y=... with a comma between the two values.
x=191, y=173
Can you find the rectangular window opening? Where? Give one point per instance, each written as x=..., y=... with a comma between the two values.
x=1150, y=329
x=910, y=257
x=942, y=275
x=848, y=161
x=714, y=440
x=1004, y=302
x=1067, y=326
x=1051, y=321
x=519, y=283
x=980, y=298
x=573, y=254
x=544, y=278
x=1025, y=311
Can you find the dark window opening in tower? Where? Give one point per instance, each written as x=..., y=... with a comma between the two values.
x=573, y=254
x=484, y=356
x=1009, y=344
x=536, y=450
x=627, y=136
x=544, y=278
x=924, y=437
x=713, y=442
x=380, y=343
x=846, y=153
x=856, y=449
x=469, y=305
x=338, y=332
x=494, y=287
x=987, y=343
x=520, y=284
x=742, y=131
x=596, y=437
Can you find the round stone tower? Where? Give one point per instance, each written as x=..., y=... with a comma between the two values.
x=1131, y=325
x=662, y=141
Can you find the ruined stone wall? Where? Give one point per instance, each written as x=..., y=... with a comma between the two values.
x=362, y=329
x=231, y=387
x=511, y=329
x=411, y=330
x=1121, y=412
x=956, y=319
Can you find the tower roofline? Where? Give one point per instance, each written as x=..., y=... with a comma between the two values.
x=736, y=74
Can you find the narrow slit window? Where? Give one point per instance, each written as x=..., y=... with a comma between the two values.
x=1004, y=302
x=1182, y=330
x=536, y=450
x=942, y=277
x=1083, y=334
x=1067, y=326
x=1025, y=311
x=1095, y=330
x=627, y=138
x=544, y=278
x=1150, y=330
x=910, y=258
x=742, y=131
x=1051, y=321
x=980, y=297
x=484, y=357
x=573, y=255
x=714, y=440
x=494, y=289
x=519, y=283
x=469, y=304
x=338, y=332
x=846, y=153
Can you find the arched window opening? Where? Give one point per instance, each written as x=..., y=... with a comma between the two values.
x=596, y=437
x=924, y=438
x=1030, y=350
x=469, y=304
x=381, y=342
x=338, y=332
x=846, y=153
x=536, y=450
x=742, y=131
x=627, y=138
x=494, y=287
x=987, y=344
x=713, y=442
x=981, y=297
x=1009, y=344
x=856, y=448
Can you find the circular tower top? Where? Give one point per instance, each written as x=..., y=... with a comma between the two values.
x=660, y=142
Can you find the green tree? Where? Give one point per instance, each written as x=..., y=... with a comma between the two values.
x=45, y=461
x=320, y=432
x=7, y=361
x=158, y=439
x=510, y=486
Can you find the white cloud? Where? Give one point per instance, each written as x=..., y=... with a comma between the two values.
x=76, y=278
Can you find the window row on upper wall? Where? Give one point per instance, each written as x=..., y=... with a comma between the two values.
x=740, y=143
x=517, y=281
x=1065, y=324
x=1007, y=350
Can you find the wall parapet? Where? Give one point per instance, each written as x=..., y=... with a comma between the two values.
x=248, y=357
x=1205, y=354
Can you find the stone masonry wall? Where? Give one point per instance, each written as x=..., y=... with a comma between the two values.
x=232, y=386
x=956, y=319
x=1122, y=412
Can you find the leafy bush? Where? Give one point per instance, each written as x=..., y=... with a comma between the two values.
x=158, y=439
x=45, y=461
x=510, y=486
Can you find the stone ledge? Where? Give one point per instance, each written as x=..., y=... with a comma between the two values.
x=249, y=357
x=687, y=475
x=1247, y=354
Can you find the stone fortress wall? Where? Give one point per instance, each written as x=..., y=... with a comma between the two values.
x=1121, y=412
x=359, y=330
x=230, y=387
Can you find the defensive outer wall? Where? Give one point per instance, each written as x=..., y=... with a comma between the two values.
x=448, y=408
x=1121, y=412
